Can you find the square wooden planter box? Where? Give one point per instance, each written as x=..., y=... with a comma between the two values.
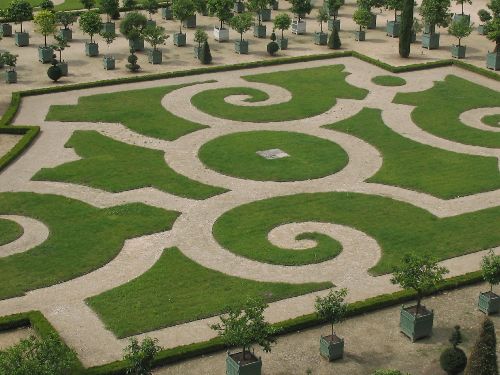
x=180, y=39
x=136, y=44
x=458, y=52
x=259, y=31
x=241, y=47
x=493, y=60
x=5, y=30
x=265, y=15
x=392, y=29
x=480, y=30
x=66, y=34
x=331, y=347
x=430, y=41
x=108, y=62
x=91, y=49
x=108, y=27
x=239, y=7
x=234, y=365
x=45, y=54
x=150, y=23
x=10, y=76
x=197, y=52
x=63, y=65
x=190, y=22
x=429, y=29
x=459, y=17
x=359, y=36
x=320, y=38
x=167, y=14
x=298, y=28
x=416, y=326
x=155, y=57
x=489, y=303
x=21, y=39
x=221, y=35
x=274, y=5
x=283, y=43
x=373, y=22
x=332, y=24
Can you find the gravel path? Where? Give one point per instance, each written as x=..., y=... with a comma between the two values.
x=63, y=304
x=34, y=233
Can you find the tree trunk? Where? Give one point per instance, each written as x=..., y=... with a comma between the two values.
x=419, y=299
x=405, y=29
x=332, y=330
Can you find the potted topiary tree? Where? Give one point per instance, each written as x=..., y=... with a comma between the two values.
x=321, y=38
x=256, y=6
x=453, y=360
x=9, y=60
x=460, y=29
x=222, y=10
x=109, y=7
x=483, y=358
x=132, y=62
x=484, y=17
x=282, y=22
x=434, y=13
x=46, y=5
x=333, y=6
x=369, y=5
x=459, y=16
x=300, y=8
x=420, y=274
x=242, y=328
x=108, y=60
x=200, y=37
x=201, y=8
x=54, y=72
x=154, y=35
x=205, y=56
x=90, y=23
x=45, y=24
x=493, y=34
x=60, y=45
x=88, y=4
x=332, y=309
x=182, y=9
x=131, y=27
x=20, y=11
x=393, y=27
x=5, y=26
x=361, y=17
x=166, y=11
x=241, y=23
x=151, y=6
x=65, y=19
x=489, y=302
x=334, y=39
x=272, y=46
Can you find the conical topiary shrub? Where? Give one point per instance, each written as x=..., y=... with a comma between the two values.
x=334, y=39
x=205, y=55
x=272, y=46
x=483, y=359
x=453, y=360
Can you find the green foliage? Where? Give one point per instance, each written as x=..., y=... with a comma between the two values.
x=483, y=358
x=420, y=273
x=332, y=307
x=490, y=267
x=222, y=9
x=108, y=37
x=282, y=22
x=151, y=6
x=493, y=32
x=90, y=23
x=88, y=4
x=154, y=35
x=200, y=6
x=300, y=7
x=54, y=72
x=453, y=360
x=322, y=16
x=60, y=45
x=436, y=12
x=362, y=17
x=389, y=81
x=334, y=39
x=200, y=36
x=407, y=25
x=45, y=23
x=395, y=5
x=20, y=11
x=109, y=7
x=9, y=231
x=66, y=18
x=38, y=356
x=205, y=55
x=47, y=5
x=272, y=46
x=242, y=327
x=8, y=59
x=140, y=356
x=129, y=4
x=182, y=9
x=333, y=7
x=132, y=25
x=494, y=6
x=132, y=62
x=484, y=15
x=460, y=29
x=241, y=23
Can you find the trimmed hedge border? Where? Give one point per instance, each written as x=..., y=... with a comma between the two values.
x=29, y=134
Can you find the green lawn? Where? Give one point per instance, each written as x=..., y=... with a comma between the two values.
x=398, y=227
x=314, y=91
x=138, y=110
x=310, y=157
x=438, y=109
x=419, y=167
x=9, y=231
x=82, y=238
x=491, y=120
x=175, y=290
x=388, y=81
x=115, y=166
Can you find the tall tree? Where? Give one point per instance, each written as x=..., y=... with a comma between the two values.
x=406, y=28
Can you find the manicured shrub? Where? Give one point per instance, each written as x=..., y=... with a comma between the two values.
x=200, y=36
x=66, y=18
x=222, y=9
x=54, y=72
x=436, y=12
x=132, y=25
x=334, y=39
x=483, y=359
x=453, y=360
x=140, y=357
x=47, y=5
x=282, y=22
x=151, y=6
x=205, y=55
x=272, y=46
x=332, y=308
x=241, y=23
x=406, y=28
x=20, y=11
x=88, y=4
x=362, y=18
x=132, y=62
x=154, y=35
x=90, y=23
x=300, y=7
x=45, y=23
x=182, y=10
x=109, y=7
x=257, y=6
x=490, y=268
x=460, y=29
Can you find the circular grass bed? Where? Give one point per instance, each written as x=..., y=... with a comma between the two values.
x=308, y=157
x=9, y=231
x=491, y=120
x=388, y=81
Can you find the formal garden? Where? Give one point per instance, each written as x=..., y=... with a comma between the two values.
x=149, y=219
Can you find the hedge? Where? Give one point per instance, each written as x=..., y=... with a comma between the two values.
x=29, y=132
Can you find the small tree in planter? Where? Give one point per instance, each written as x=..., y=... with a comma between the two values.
x=282, y=22
x=453, y=360
x=182, y=9
x=20, y=11
x=155, y=36
x=362, y=18
x=272, y=46
x=493, y=34
x=108, y=60
x=241, y=23
x=334, y=40
x=131, y=27
x=257, y=6
x=333, y=6
x=205, y=55
x=132, y=62
x=489, y=302
x=88, y=4
x=321, y=38
x=200, y=37
x=406, y=31
x=5, y=27
x=60, y=45
x=458, y=17
x=434, y=13
x=460, y=29
x=140, y=357
x=420, y=274
x=333, y=309
x=109, y=7
x=90, y=23
x=241, y=328
x=369, y=5
x=201, y=7
x=393, y=27
x=45, y=24
x=300, y=8
x=129, y=4
x=65, y=19
x=484, y=17
x=47, y=5
x=222, y=10
x=483, y=358
x=9, y=60
x=151, y=6
x=166, y=10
